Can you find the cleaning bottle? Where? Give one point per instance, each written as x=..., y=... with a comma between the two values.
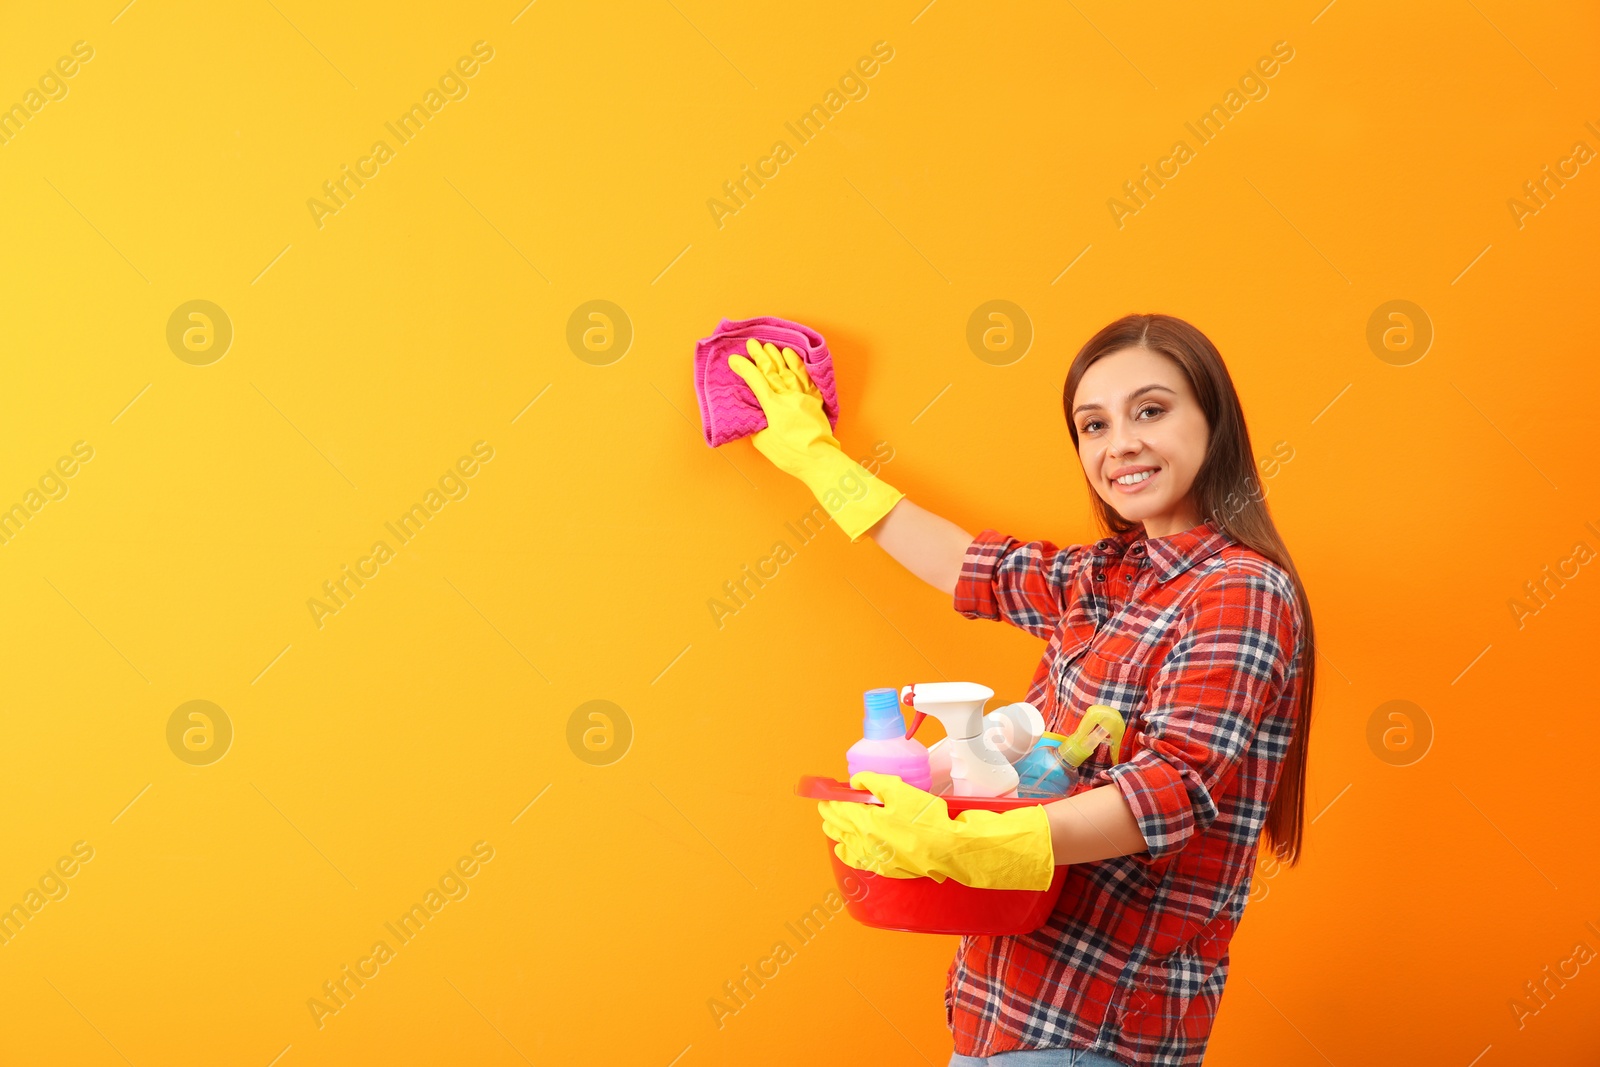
x=1051, y=769
x=1013, y=730
x=884, y=746
x=977, y=766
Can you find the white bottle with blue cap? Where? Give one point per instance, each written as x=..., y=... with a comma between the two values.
x=884, y=746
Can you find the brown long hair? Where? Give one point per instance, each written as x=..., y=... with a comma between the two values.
x=1226, y=490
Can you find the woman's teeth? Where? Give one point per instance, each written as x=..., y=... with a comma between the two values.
x=1131, y=479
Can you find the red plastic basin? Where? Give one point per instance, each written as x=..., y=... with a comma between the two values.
x=922, y=905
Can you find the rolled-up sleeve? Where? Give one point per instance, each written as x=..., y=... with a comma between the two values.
x=1227, y=669
x=1024, y=583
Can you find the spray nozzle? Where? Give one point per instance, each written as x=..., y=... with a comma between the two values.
x=1098, y=724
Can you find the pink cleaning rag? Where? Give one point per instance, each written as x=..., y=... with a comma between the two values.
x=728, y=409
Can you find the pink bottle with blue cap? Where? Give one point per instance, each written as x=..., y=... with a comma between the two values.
x=884, y=746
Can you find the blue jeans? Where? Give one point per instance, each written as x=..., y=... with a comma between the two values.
x=1038, y=1057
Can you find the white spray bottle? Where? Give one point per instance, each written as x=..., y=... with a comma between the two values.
x=1013, y=729
x=974, y=759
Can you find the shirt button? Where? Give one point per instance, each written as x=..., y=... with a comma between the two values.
x=1099, y=577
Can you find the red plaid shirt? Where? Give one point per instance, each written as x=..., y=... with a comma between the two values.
x=1195, y=638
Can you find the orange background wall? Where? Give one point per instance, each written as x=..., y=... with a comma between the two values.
x=371, y=352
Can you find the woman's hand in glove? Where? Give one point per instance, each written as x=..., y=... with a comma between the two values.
x=912, y=836
x=799, y=441
x=797, y=436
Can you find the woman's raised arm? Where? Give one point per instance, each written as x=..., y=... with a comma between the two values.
x=925, y=544
x=799, y=440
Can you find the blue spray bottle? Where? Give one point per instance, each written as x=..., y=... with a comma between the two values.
x=1051, y=768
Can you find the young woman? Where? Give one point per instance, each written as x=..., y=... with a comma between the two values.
x=1190, y=619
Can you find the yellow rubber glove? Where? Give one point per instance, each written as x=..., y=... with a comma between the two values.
x=799, y=441
x=913, y=836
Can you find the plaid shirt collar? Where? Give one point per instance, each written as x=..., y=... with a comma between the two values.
x=1171, y=555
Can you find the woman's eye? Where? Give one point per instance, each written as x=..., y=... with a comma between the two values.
x=1093, y=424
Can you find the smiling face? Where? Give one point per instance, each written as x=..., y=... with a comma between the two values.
x=1137, y=416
